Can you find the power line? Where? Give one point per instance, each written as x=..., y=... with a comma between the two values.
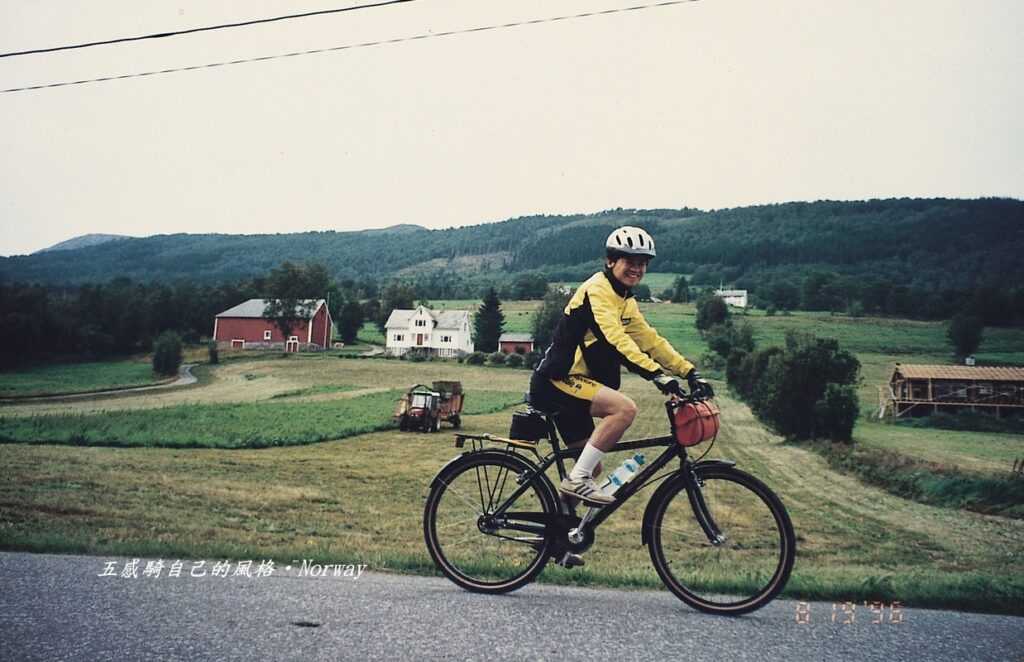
x=209, y=28
x=365, y=44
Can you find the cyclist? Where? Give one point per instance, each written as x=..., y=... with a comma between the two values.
x=601, y=330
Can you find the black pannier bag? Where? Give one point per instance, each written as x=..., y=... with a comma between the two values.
x=528, y=425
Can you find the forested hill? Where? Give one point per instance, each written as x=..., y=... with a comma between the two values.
x=933, y=243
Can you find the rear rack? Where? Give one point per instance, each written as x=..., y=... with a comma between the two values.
x=478, y=441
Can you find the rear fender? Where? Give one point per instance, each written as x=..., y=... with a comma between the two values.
x=670, y=484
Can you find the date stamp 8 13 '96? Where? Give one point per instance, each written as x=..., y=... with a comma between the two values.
x=845, y=613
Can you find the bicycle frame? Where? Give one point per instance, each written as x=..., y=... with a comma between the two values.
x=596, y=516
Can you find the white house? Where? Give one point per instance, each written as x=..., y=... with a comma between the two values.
x=441, y=332
x=736, y=298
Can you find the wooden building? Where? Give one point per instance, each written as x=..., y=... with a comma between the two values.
x=920, y=390
x=245, y=327
x=515, y=342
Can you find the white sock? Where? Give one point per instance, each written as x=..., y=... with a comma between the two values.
x=589, y=459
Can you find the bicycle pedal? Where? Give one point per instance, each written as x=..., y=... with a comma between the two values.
x=570, y=560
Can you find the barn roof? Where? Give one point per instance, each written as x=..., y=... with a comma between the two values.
x=515, y=337
x=255, y=307
x=443, y=319
x=963, y=372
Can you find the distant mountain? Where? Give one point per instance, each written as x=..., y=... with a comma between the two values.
x=932, y=244
x=82, y=242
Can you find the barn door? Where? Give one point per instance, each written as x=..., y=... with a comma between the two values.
x=292, y=345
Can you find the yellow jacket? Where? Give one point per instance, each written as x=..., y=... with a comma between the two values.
x=601, y=330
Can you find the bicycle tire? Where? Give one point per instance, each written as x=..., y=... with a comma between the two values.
x=463, y=551
x=738, y=576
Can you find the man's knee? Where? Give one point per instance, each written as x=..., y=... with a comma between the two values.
x=628, y=410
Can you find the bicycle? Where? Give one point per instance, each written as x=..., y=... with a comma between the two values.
x=718, y=537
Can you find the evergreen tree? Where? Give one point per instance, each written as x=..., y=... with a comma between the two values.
x=488, y=323
x=350, y=321
x=546, y=318
x=681, y=291
x=965, y=332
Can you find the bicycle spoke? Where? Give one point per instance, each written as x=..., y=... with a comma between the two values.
x=744, y=572
x=451, y=489
x=496, y=557
x=463, y=522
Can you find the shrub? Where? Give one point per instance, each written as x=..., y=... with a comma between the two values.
x=514, y=361
x=533, y=359
x=213, y=352
x=167, y=353
x=836, y=412
x=725, y=338
x=711, y=310
x=496, y=358
x=710, y=361
x=417, y=356
x=476, y=358
x=770, y=311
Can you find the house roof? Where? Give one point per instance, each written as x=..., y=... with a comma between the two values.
x=515, y=337
x=443, y=319
x=255, y=307
x=963, y=372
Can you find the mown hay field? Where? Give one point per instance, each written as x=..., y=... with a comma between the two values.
x=360, y=499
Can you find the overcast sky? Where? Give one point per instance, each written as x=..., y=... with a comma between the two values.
x=710, y=104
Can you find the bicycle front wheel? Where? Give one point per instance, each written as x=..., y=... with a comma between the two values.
x=749, y=564
x=475, y=547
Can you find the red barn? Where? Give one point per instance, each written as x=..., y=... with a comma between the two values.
x=245, y=327
x=515, y=342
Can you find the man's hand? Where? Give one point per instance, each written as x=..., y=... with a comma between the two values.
x=668, y=384
x=699, y=388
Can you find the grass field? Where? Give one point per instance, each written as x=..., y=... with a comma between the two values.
x=361, y=499
x=76, y=377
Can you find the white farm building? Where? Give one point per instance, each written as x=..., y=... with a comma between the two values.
x=440, y=332
x=736, y=298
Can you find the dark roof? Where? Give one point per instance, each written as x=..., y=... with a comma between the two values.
x=515, y=337
x=254, y=308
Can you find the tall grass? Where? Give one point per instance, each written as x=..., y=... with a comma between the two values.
x=76, y=378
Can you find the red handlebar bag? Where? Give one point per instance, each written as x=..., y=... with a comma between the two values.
x=695, y=422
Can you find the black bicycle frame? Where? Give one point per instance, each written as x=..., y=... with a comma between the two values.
x=672, y=450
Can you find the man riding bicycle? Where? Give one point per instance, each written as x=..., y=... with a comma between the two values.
x=579, y=377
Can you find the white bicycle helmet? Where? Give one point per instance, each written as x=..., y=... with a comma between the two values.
x=629, y=240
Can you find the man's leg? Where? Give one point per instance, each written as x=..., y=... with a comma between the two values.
x=616, y=412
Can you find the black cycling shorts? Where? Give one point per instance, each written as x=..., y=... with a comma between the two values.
x=571, y=415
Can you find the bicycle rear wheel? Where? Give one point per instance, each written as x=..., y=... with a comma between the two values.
x=470, y=545
x=740, y=574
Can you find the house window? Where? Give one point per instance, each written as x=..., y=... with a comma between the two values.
x=421, y=322
x=446, y=338
x=266, y=334
x=399, y=337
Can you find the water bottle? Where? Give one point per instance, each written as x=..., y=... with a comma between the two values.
x=623, y=474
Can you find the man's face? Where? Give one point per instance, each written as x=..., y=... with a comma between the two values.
x=629, y=270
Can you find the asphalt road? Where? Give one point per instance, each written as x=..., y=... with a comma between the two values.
x=60, y=608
